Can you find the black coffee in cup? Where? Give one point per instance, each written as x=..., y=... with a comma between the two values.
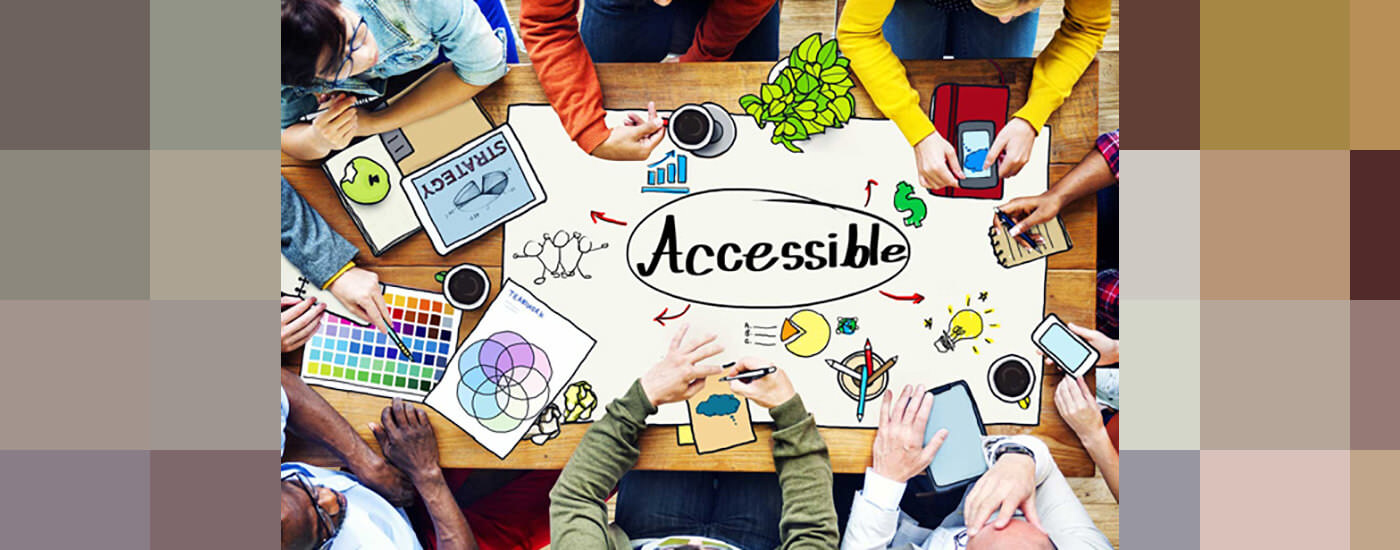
x=466, y=286
x=692, y=127
x=1011, y=378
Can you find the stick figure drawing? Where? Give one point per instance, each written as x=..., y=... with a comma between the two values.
x=559, y=254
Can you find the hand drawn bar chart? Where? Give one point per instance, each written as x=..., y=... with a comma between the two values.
x=667, y=175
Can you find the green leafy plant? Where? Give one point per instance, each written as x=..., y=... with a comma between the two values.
x=808, y=96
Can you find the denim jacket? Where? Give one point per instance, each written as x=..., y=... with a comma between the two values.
x=308, y=241
x=409, y=34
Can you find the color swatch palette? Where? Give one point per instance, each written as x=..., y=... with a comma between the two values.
x=349, y=357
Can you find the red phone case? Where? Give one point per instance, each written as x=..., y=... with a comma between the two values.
x=956, y=103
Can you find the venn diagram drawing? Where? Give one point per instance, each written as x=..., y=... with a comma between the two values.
x=505, y=381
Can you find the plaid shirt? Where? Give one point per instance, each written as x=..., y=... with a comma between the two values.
x=1108, y=147
x=1107, y=313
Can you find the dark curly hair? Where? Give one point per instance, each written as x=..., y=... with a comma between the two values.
x=309, y=27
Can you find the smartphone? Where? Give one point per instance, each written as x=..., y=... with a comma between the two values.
x=1070, y=352
x=959, y=460
x=974, y=141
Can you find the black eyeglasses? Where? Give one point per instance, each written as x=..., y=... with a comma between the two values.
x=357, y=41
x=323, y=520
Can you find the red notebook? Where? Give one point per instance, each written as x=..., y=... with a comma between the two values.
x=970, y=117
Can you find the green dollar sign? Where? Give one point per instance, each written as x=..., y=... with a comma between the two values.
x=905, y=201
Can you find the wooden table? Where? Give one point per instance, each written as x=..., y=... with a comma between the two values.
x=1069, y=283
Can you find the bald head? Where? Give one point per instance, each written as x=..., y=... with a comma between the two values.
x=1017, y=535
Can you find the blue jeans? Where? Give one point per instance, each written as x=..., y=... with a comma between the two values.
x=742, y=509
x=639, y=31
x=916, y=29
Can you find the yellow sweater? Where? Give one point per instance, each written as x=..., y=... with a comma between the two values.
x=1057, y=68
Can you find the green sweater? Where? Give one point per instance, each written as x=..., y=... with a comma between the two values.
x=578, y=515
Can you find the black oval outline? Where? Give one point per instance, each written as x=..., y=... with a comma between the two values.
x=793, y=198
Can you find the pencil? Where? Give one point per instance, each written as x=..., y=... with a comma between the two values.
x=842, y=368
x=403, y=348
x=884, y=367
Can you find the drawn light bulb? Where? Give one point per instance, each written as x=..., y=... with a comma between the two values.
x=965, y=325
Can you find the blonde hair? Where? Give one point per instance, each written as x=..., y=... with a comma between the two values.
x=998, y=8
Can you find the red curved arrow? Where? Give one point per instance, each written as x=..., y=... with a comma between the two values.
x=662, y=318
x=869, y=183
x=915, y=297
x=596, y=215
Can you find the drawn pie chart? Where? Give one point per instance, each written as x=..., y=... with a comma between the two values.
x=806, y=333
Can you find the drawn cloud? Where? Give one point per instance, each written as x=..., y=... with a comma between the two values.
x=718, y=405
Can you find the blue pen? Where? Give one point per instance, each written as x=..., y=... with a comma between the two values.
x=1006, y=220
x=864, y=381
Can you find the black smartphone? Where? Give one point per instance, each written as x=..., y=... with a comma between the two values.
x=974, y=141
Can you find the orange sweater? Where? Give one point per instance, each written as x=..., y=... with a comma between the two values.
x=550, y=31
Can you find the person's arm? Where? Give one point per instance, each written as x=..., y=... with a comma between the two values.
x=309, y=243
x=310, y=417
x=1076, y=404
x=1087, y=177
x=1062, y=515
x=408, y=440
x=578, y=517
x=578, y=514
x=801, y=459
x=550, y=31
x=723, y=26
x=1065, y=58
x=566, y=72
x=898, y=454
x=881, y=73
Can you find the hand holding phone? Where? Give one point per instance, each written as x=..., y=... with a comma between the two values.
x=1067, y=349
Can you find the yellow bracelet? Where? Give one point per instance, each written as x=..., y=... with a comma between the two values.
x=348, y=265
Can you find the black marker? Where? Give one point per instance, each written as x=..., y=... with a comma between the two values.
x=750, y=375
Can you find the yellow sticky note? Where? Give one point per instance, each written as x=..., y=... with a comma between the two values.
x=685, y=435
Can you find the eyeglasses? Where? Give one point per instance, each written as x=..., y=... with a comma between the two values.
x=357, y=41
x=323, y=520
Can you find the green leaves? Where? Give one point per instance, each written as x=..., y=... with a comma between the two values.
x=769, y=92
x=827, y=55
x=809, y=95
x=810, y=47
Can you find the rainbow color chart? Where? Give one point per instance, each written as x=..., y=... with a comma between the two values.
x=346, y=356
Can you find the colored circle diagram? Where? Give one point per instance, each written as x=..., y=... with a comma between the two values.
x=505, y=381
x=806, y=333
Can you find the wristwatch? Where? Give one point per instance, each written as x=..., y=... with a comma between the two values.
x=1013, y=448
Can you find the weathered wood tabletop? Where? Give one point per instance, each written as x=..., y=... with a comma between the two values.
x=1069, y=289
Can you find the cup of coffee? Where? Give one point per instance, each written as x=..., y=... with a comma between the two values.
x=705, y=130
x=466, y=287
x=1012, y=380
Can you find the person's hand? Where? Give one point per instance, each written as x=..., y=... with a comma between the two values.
x=359, y=290
x=387, y=480
x=1012, y=147
x=1008, y=485
x=635, y=139
x=1076, y=404
x=899, y=451
x=407, y=439
x=770, y=391
x=300, y=321
x=677, y=376
x=335, y=128
x=1031, y=211
x=937, y=162
x=1107, y=347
